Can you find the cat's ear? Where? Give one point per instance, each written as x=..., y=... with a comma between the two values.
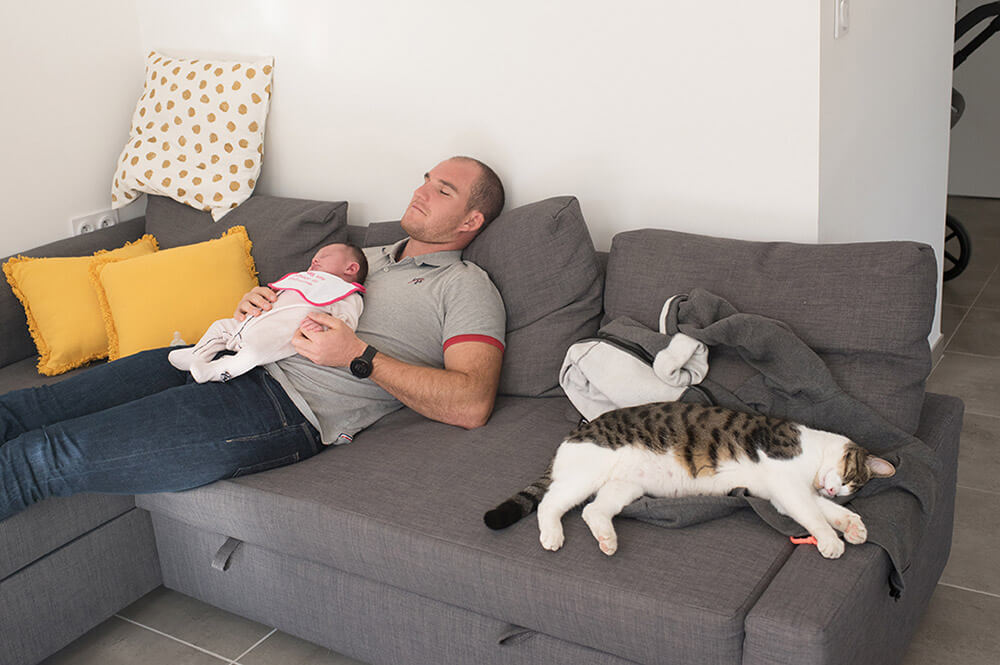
x=879, y=467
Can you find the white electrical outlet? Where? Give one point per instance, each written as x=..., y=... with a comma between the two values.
x=94, y=221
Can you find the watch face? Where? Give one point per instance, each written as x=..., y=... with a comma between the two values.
x=361, y=368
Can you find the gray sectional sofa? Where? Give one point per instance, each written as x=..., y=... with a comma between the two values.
x=377, y=549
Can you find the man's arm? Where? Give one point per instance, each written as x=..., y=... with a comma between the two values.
x=461, y=394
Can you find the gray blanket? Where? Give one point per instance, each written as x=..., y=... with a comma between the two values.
x=783, y=377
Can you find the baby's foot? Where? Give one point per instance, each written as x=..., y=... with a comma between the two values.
x=181, y=358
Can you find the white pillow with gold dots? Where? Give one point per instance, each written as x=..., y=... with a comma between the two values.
x=197, y=133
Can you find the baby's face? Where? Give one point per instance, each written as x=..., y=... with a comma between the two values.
x=335, y=259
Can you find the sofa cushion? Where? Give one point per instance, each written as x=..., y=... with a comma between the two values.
x=50, y=524
x=17, y=343
x=386, y=508
x=285, y=232
x=378, y=234
x=542, y=260
x=865, y=308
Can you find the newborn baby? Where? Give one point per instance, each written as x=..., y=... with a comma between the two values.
x=332, y=284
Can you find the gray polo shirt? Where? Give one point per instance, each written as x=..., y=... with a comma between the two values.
x=414, y=309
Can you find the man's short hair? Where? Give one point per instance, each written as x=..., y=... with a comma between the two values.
x=359, y=255
x=487, y=194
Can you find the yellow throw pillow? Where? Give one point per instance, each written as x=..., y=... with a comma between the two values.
x=183, y=289
x=64, y=315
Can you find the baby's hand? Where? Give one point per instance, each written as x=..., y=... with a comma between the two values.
x=312, y=326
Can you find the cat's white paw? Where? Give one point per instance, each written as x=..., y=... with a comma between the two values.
x=608, y=544
x=552, y=538
x=602, y=529
x=831, y=547
x=855, y=532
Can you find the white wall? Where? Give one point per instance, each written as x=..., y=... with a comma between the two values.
x=884, y=118
x=975, y=140
x=692, y=115
x=707, y=117
x=72, y=74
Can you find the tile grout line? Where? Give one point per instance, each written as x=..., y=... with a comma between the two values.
x=175, y=639
x=254, y=646
x=970, y=305
x=976, y=489
x=972, y=355
x=971, y=412
x=963, y=588
x=968, y=310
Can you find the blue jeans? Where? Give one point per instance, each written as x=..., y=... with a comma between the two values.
x=138, y=425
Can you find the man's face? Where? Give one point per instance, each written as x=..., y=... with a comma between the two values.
x=439, y=207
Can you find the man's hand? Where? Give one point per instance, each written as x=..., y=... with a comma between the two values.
x=333, y=345
x=254, y=303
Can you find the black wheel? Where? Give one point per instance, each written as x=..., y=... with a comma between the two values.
x=957, y=248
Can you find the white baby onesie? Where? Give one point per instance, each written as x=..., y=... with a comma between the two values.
x=268, y=337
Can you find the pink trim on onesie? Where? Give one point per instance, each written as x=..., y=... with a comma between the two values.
x=317, y=284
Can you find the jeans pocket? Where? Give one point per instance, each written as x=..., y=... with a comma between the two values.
x=266, y=466
x=269, y=450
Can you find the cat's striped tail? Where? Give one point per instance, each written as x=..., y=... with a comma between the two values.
x=520, y=505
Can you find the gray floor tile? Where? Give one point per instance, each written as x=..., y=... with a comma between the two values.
x=959, y=627
x=287, y=650
x=978, y=333
x=951, y=316
x=979, y=453
x=117, y=642
x=196, y=622
x=990, y=297
x=975, y=379
x=975, y=542
x=964, y=289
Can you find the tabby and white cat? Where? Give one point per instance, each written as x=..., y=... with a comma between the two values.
x=670, y=449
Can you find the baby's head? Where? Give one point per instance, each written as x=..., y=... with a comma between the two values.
x=345, y=260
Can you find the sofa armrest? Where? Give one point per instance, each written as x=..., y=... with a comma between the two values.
x=17, y=341
x=839, y=611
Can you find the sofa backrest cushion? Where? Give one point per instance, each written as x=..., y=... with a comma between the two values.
x=541, y=258
x=865, y=308
x=383, y=233
x=285, y=232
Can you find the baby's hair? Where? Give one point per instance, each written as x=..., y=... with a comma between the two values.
x=358, y=254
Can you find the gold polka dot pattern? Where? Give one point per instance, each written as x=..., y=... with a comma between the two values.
x=197, y=133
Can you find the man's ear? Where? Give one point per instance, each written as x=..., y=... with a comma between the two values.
x=473, y=221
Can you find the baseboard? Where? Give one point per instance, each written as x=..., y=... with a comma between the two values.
x=937, y=350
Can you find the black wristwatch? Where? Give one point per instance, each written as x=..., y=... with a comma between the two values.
x=361, y=366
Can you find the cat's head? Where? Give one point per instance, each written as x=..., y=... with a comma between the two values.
x=849, y=473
